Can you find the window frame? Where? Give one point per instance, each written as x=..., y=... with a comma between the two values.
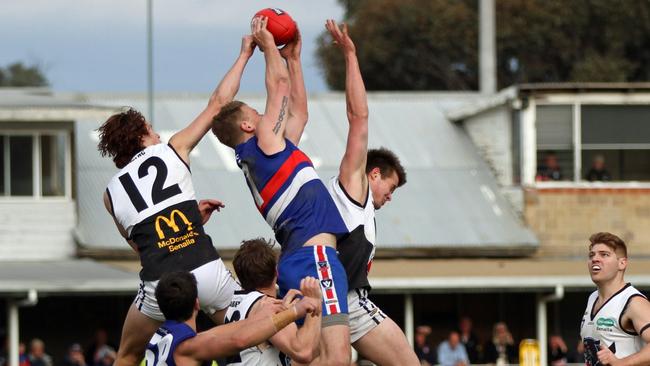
x=37, y=164
x=529, y=136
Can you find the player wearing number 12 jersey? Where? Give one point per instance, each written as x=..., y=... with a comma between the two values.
x=152, y=202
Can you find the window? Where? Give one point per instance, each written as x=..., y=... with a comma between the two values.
x=554, y=124
x=612, y=142
x=34, y=164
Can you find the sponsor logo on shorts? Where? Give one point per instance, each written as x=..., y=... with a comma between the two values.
x=322, y=264
x=326, y=283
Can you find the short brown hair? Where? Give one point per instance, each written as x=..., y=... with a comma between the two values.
x=255, y=263
x=225, y=125
x=612, y=241
x=120, y=137
x=387, y=162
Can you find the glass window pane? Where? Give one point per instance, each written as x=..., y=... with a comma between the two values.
x=554, y=127
x=616, y=165
x=615, y=124
x=554, y=165
x=53, y=165
x=21, y=160
x=2, y=166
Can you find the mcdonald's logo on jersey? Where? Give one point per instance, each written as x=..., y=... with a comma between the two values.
x=171, y=222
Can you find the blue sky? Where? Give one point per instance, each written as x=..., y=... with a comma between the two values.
x=100, y=45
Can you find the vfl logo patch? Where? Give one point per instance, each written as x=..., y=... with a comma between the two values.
x=322, y=264
x=327, y=283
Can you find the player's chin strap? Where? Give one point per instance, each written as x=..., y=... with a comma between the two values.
x=644, y=328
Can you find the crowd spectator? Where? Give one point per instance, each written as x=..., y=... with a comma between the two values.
x=598, y=172
x=37, y=355
x=469, y=339
x=106, y=356
x=501, y=350
x=557, y=351
x=92, y=350
x=549, y=169
x=451, y=352
x=423, y=351
x=75, y=356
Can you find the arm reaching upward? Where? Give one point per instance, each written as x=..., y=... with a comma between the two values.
x=352, y=172
x=270, y=129
x=298, y=113
x=186, y=139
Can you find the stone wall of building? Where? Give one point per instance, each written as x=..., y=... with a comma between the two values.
x=564, y=218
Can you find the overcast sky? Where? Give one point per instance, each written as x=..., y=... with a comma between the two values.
x=100, y=45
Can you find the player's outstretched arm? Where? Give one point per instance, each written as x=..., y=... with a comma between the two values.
x=298, y=113
x=352, y=172
x=186, y=139
x=228, y=339
x=270, y=130
x=638, y=311
x=301, y=345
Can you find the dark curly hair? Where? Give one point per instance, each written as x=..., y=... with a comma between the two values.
x=387, y=162
x=120, y=137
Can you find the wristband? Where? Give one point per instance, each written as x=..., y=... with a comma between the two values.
x=284, y=318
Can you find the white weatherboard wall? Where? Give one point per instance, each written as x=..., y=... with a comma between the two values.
x=37, y=230
x=490, y=132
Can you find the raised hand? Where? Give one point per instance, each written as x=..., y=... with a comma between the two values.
x=247, y=46
x=291, y=297
x=310, y=288
x=207, y=207
x=292, y=49
x=340, y=36
x=262, y=37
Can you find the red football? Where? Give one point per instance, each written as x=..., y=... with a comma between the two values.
x=280, y=24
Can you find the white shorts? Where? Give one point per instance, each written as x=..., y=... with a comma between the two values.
x=364, y=314
x=215, y=285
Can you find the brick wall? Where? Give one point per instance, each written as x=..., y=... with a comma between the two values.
x=564, y=218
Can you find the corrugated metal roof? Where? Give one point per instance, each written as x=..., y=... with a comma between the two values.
x=451, y=199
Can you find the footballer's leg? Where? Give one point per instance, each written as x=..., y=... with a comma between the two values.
x=136, y=333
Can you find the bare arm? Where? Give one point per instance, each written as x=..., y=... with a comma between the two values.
x=231, y=338
x=638, y=313
x=186, y=139
x=125, y=235
x=298, y=113
x=270, y=130
x=301, y=345
x=352, y=172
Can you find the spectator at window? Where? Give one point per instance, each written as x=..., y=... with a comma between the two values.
x=550, y=169
x=469, y=339
x=37, y=355
x=598, y=172
x=423, y=351
x=451, y=352
x=501, y=349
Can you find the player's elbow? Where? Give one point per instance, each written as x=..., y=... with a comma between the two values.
x=358, y=116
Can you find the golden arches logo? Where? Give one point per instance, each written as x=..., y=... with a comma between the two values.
x=171, y=223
